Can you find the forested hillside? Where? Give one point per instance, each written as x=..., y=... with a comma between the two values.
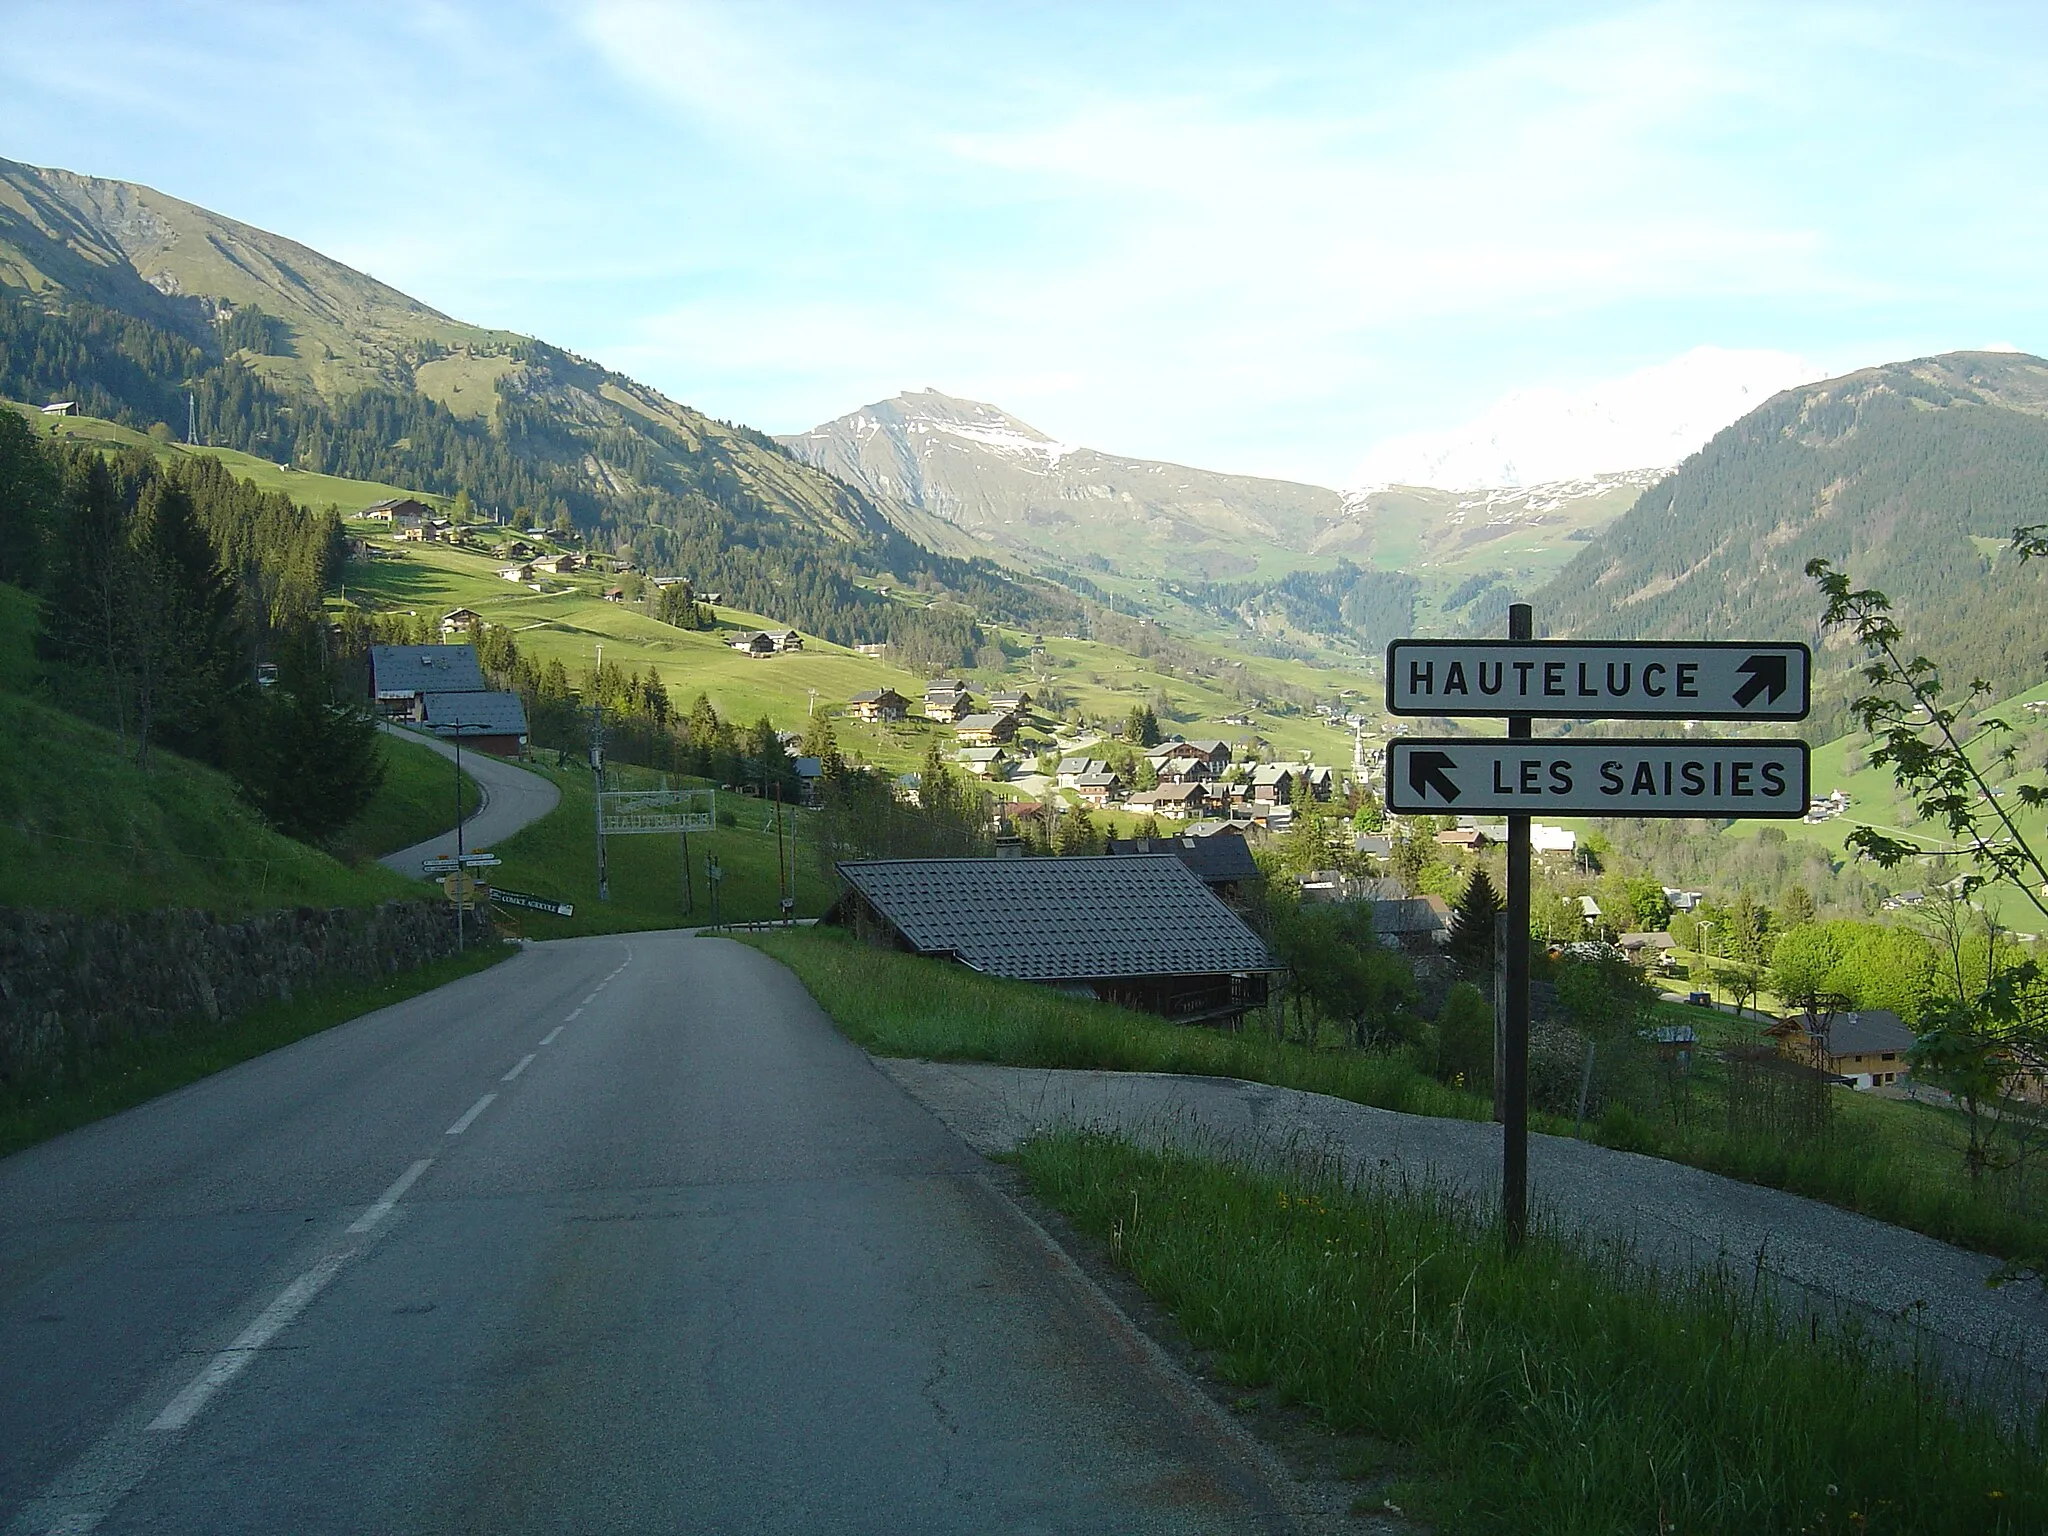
x=1911, y=477
x=146, y=310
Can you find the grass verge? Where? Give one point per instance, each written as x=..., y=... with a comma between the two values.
x=415, y=801
x=556, y=857
x=1562, y=1392
x=902, y=1005
x=1885, y=1159
x=143, y=1067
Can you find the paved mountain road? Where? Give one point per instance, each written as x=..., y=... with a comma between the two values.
x=511, y=799
x=620, y=1235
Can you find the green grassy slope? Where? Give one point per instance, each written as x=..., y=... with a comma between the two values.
x=557, y=858
x=570, y=620
x=82, y=827
x=416, y=800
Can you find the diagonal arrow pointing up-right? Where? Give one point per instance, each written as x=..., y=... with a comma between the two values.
x=1767, y=675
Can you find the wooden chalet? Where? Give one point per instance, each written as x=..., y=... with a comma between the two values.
x=1140, y=930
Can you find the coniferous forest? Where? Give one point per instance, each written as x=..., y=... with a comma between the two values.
x=663, y=499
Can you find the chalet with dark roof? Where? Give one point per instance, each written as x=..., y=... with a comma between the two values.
x=1138, y=929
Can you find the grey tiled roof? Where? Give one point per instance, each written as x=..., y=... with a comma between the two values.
x=479, y=714
x=426, y=669
x=1867, y=1033
x=1218, y=859
x=1061, y=919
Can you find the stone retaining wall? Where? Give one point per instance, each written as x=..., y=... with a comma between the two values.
x=71, y=984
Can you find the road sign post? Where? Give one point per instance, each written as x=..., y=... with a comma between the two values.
x=1514, y=1130
x=1522, y=680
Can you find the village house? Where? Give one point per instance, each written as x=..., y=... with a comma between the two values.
x=786, y=640
x=401, y=676
x=399, y=511
x=1099, y=789
x=614, y=594
x=754, y=642
x=557, y=565
x=1179, y=770
x=61, y=408
x=1273, y=784
x=986, y=730
x=947, y=699
x=871, y=648
x=985, y=762
x=461, y=621
x=1139, y=930
x=1867, y=1048
x=1067, y=775
x=518, y=573
x=1218, y=856
x=1175, y=802
x=1414, y=924
x=1011, y=701
x=1211, y=756
x=876, y=705
x=1472, y=839
x=482, y=721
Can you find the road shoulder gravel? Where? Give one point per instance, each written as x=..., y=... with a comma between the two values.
x=1994, y=1342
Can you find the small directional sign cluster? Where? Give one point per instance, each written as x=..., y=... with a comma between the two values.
x=1599, y=680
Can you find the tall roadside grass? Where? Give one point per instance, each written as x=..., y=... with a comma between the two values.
x=902, y=1005
x=1566, y=1391
x=1884, y=1159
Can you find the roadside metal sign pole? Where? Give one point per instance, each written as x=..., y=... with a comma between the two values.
x=1514, y=1139
x=604, y=886
x=461, y=893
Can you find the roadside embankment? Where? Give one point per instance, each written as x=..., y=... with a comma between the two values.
x=72, y=984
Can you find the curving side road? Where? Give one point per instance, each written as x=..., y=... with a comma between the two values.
x=512, y=799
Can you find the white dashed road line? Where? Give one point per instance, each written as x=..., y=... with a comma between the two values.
x=470, y=1115
x=524, y=1062
x=232, y=1361
x=552, y=1035
x=389, y=1198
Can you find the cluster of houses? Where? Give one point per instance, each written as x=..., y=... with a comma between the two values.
x=442, y=688
x=411, y=521
x=765, y=642
x=1195, y=782
x=1827, y=807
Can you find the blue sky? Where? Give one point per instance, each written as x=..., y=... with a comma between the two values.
x=1298, y=240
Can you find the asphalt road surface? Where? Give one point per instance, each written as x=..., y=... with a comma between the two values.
x=512, y=798
x=620, y=1235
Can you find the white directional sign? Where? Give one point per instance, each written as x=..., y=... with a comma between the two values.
x=1597, y=778
x=1599, y=679
x=448, y=863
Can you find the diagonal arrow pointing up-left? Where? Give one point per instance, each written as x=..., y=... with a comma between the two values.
x=1426, y=772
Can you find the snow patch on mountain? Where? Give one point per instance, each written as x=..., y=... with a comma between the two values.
x=1656, y=416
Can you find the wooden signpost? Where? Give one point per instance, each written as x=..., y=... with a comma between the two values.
x=1522, y=679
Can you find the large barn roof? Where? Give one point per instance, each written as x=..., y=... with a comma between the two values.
x=1078, y=919
x=476, y=714
x=401, y=669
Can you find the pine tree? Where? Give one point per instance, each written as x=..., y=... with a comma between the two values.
x=316, y=762
x=1471, y=944
x=821, y=742
x=29, y=500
